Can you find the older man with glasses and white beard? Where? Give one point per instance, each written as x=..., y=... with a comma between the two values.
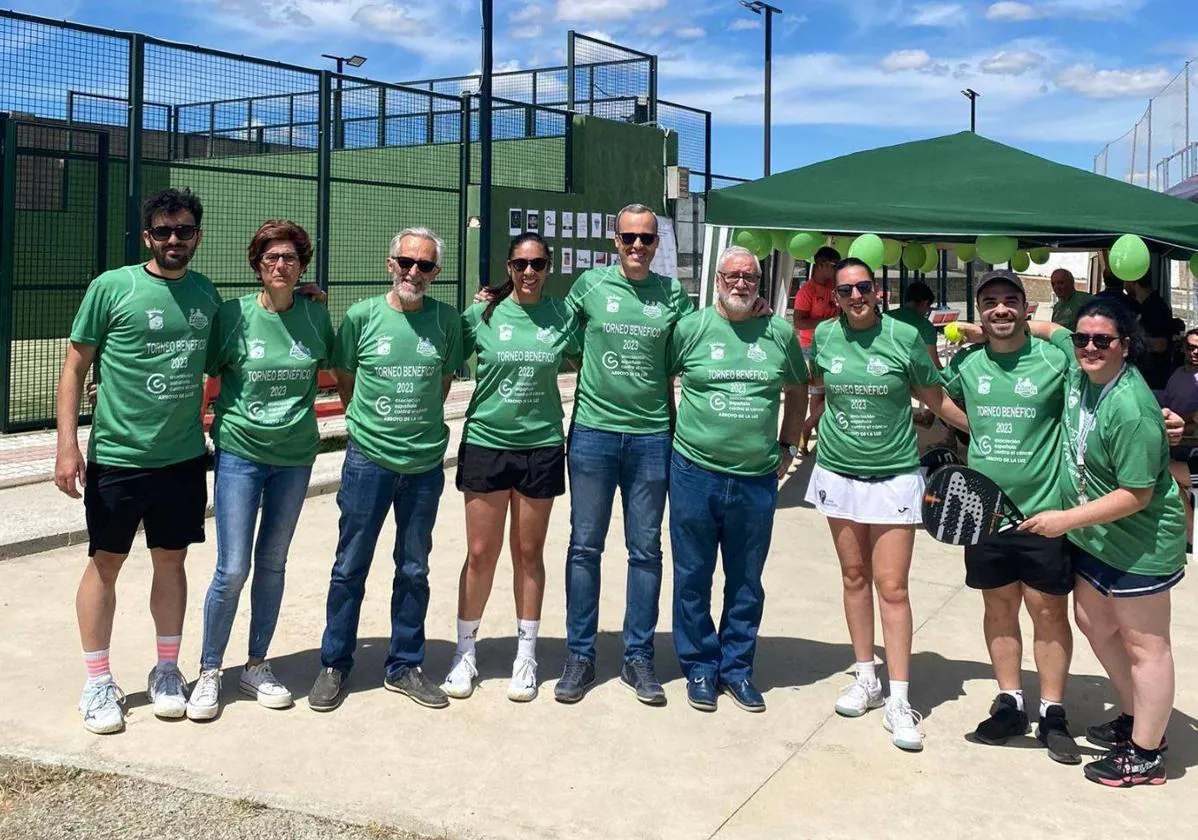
x=395, y=359
x=724, y=470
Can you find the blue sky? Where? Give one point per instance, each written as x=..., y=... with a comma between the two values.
x=1059, y=78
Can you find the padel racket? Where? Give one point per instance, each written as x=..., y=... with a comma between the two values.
x=963, y=507
x=937, y=457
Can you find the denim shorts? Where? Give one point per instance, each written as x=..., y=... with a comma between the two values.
x=1116, y=583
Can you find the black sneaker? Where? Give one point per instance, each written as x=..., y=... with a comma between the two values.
x=1053, y=733
x=638, y=675
x=577, y=677
x=1125, y=766
x=328, y=692
x=1005, y=721
x=1115, y=732
x=415, y=684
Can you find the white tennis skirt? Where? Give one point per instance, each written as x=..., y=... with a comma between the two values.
x=893, y=501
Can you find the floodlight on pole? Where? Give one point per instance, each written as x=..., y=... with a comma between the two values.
x=972, y=95
x=354, y=60
x=767, y=11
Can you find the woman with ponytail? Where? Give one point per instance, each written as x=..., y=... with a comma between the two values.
x=512, y=457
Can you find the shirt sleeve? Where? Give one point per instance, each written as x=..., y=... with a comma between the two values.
x=952, y=379
x=923, y=372
x=217, y=339
x=674, y=349
x=1136, y=448
x=794, y=366
x=803, y=301
x=327, y=337
x=469, y=331
x=92, y=320
x=572, y=347
x=576, y=294
x=453, y=345
x=928, y=332
x=345, y=352
x=1063, y=341
x=816, y=371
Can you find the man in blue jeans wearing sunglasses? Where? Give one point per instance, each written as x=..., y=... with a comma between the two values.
x=395, y=359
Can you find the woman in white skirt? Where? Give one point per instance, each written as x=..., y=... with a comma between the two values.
x=867, y=480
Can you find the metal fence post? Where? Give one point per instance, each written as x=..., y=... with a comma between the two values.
x=570, y=70
x=568, y=174
x=381, y=139
x=8, y=209
x=324, y=167
x=653, y=89
x=463, y=196
x=485, y=130
x=1148, y=157
x=1187, y=171
x=133, y=146
x=102, y=203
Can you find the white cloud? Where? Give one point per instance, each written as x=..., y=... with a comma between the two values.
x=531, y=12
x=604, y=10
x=905, y=60
x=527, y=32
x=741, y=24
x=691, y=32
x=1087, y=81
x=938, y=14
x=1010, y=62
x=598, y=35
x=388, y=18
x=1013, y=12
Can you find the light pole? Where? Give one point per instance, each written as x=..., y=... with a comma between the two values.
x=484, y=143
x=972, y=95
x=759, y=8
x=354, y=60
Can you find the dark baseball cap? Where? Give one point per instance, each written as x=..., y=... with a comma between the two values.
x=1003, y=274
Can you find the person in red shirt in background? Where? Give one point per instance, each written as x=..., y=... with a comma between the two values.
x=815, y=302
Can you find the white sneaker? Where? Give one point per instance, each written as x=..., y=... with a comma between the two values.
x=258, y=681
x=459, y=683
x=102, y=708
x=523, y=686
x=167, y=691
x=204, y=702
x=859, y=698
x=902, y=722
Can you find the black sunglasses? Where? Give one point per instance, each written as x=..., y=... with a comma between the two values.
x=161, y=233
x=1101, y=340
x=864, y=287
x=406, y=263
x=629, y=238
x=536, y=263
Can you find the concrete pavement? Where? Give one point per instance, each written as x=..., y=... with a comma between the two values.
x=607, y=767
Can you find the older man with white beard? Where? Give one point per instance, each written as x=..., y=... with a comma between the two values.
x=726, y=463
x=394, y=360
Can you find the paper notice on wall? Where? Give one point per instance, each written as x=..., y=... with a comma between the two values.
x=550, y=224
x=609, y=223
x=567, y=260
x=534, y=221
x=600, y=259
x=583, y=258
x=515, y=224
x=567, y=224
x=596, y=226
x=665, y=262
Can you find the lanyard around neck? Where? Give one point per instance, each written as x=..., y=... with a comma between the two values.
x=1087, y=419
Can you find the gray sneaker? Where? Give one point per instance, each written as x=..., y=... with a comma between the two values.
x=414, y=683
x=328, y=692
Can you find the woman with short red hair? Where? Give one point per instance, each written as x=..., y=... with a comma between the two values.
x=266, y=347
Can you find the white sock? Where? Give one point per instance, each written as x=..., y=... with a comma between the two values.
x=1016, y=693
x=866, y=673
x=1044, y=704
x=467, y=633
x=526, y=634
x=898, y=690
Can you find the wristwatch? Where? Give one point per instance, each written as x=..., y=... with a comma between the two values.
x=790, y=448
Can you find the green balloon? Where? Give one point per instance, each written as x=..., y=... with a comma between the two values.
x=892, y=252
x=843, y=244
x=914, y=256
x=996, y=249
x=1129, y=257
x=965, y=252
x=869, y=249
x=804, y=244
x=931, y=259
x=757, y=241
x=1040, y=255
x=1194, y=264
x=779, y=240
x=1020, y=261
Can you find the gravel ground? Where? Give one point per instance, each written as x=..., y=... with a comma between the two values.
x=47, y=802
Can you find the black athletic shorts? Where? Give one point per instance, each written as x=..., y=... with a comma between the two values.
x=535, y=473
x=170, y=501
x=1043, y=563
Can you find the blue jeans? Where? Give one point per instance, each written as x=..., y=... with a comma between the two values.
x=599, y=462
x=241, y=486
x=710, y=511
x=368, y=491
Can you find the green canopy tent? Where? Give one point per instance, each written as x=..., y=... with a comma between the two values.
x=953, y=189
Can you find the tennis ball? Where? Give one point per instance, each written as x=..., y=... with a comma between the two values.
x=953, y=332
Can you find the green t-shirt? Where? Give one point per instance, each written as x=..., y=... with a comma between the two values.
x=151, y=335
x=1065, y=312
x=397, y=415
x=868, y=375
x=267, y=362
x=1126, y=447
x=1014, y=403
x=733, y=375
x=622, y=385
x=909, y=316
x=516, y=403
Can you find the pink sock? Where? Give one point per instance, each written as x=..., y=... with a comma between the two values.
x=97, y=666
x=168, y=649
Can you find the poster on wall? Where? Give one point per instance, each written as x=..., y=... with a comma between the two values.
x=596, y=226
x=665, y=262
x=583, y=258
x=515, y=224
x=567, y=261
x=567, y=224
x=609, y=223
x=600, y=259
x=581, y=225
x=550, y=224
x=534, y=221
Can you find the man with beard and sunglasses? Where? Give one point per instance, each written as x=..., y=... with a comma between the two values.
x=146, y=456
x=395, y=359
